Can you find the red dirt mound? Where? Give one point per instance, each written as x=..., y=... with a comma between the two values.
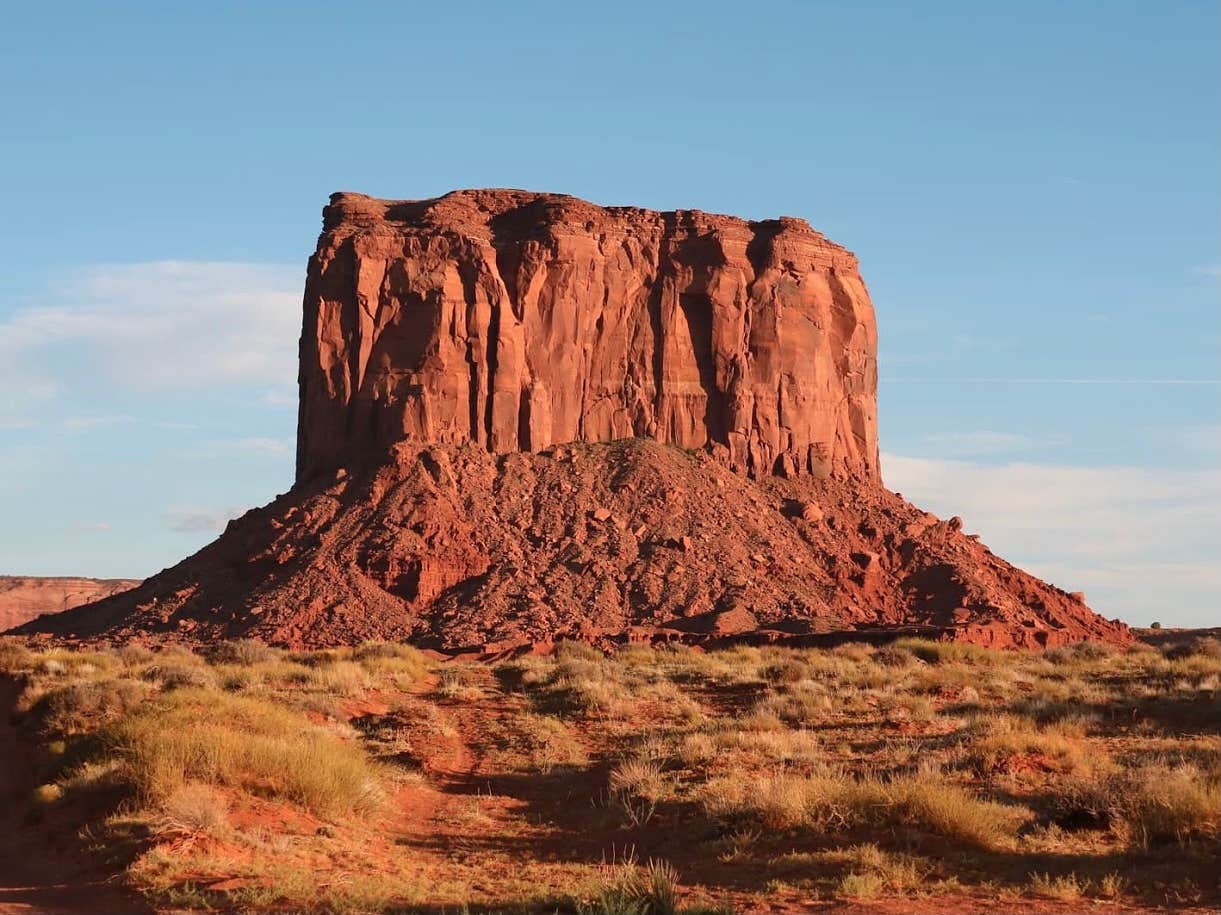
x=524, y=416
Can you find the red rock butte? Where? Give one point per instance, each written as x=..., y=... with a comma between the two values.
x=518, y=320
x=525, y=417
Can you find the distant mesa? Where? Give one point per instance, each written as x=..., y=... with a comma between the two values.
x=24, y=597
x=524, y=417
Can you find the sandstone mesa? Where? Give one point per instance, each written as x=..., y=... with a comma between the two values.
x=24, y=597
x=524, y=416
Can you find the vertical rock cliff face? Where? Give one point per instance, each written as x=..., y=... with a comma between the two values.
x=517, y=321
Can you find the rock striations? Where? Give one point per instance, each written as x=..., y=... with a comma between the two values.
x=526, y=417
x=518, y=321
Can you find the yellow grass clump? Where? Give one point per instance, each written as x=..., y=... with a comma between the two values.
x=230, y=740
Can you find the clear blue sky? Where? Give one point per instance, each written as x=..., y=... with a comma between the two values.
x=1032, y=189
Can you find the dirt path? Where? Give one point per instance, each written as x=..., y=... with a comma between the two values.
x=35, y=877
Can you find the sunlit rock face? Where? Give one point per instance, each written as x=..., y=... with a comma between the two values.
x=519, y=320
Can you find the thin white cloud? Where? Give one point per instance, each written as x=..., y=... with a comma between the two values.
x=22, y=395
x=92, y=526
x=85, y=423
x=192, y=521
x=151, y=327
x=1142, y=542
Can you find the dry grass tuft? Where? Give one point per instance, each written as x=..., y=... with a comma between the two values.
x=242, y=651
x=223, y=739
x=79, y=708
x=1065, y=888
x=193, y=809
x=1161, y=803
x=834, y=801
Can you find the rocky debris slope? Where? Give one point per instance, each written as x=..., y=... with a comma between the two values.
x=24, y=597
x=453, y=547
x=524, y=416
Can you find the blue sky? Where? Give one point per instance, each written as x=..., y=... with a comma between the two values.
x=1031, y=187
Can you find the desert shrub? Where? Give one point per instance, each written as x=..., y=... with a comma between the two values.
x=797, y=708
x=14, y=657
x=637, y=785
x=581, y=651
x=730, y=745
x=1112, y=885
x=1161, y=803
x=80, y=708
x=241, y=651
x=375, y=651
x=830, y=801
x=1065, y=888
x=134, y=655
x=1154, y=803
x=402, y=662
x=51, y=666
x=1200, y=646
x=344, y=678
x=894, y=656
x=230, y=740
x=855, y=652
x=1080, y=651
x=947, y=652
x=175, y=675
x=914, y=707
x=633, y=889
x=192, y=809
x=866, y=885
x=549, y=742
x=996, y=741
x=235, y=678
x=874, y=871
x=48, y=794
x=585, y=685
x=787, y=671
x=953, y=812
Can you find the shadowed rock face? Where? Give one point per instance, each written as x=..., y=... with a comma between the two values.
x=518, y=320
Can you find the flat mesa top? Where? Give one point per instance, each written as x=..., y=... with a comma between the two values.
x=512, y=211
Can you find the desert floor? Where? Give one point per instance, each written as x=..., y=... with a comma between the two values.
x=917, y=777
